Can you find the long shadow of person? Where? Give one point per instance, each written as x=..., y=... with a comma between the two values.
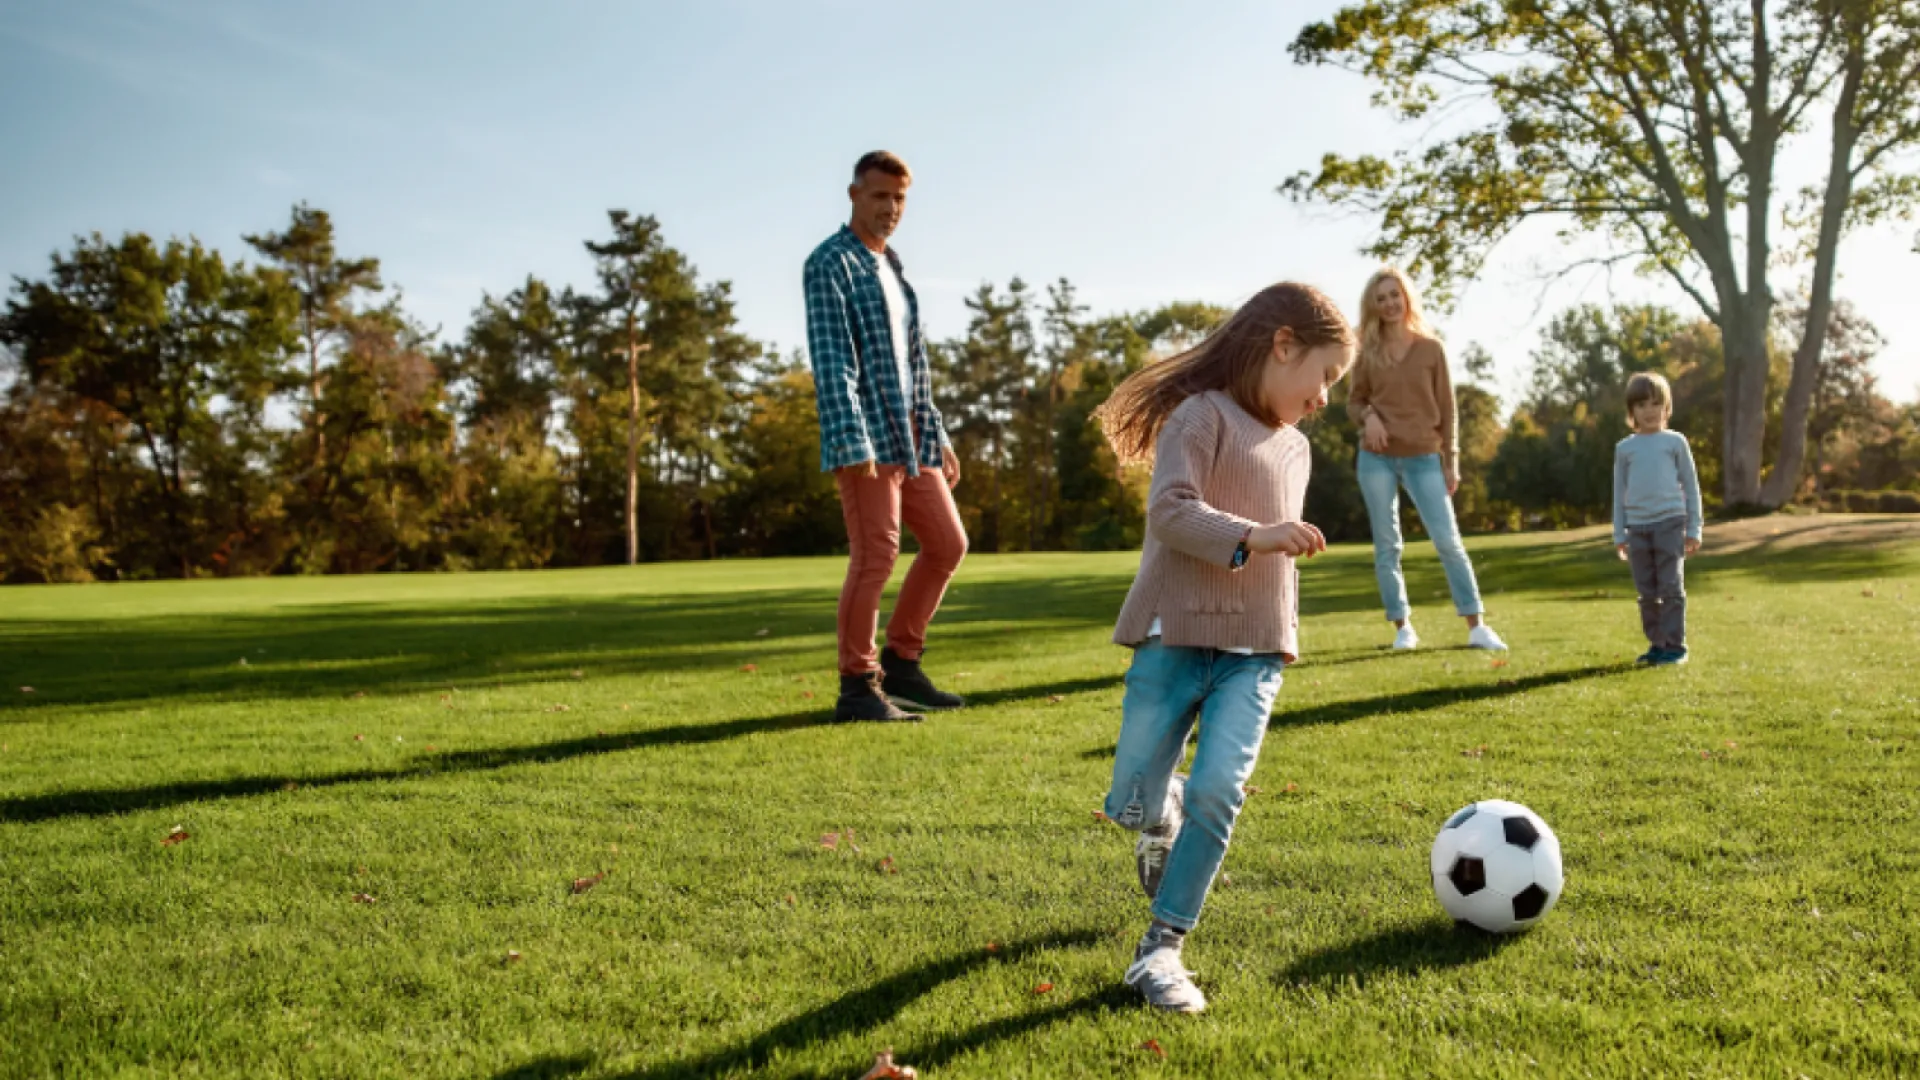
x=874, y=1005
x=1403, y=950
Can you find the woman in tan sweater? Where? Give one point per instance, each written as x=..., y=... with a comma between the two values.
x=1402, y=398
x=1213, y=612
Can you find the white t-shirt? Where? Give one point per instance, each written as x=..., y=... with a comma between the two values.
x=1153, y=631
x=897, y=320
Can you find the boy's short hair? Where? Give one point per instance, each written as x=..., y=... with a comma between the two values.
x=883, y=161
x=1647, y=386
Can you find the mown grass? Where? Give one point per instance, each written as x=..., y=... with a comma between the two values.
x=1742, y=850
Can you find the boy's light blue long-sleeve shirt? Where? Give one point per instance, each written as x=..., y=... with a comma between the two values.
x=1653, y=481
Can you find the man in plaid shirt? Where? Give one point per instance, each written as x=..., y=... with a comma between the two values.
x=882, y=439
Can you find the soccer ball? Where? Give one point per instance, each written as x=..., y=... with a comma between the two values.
x=1496, y=865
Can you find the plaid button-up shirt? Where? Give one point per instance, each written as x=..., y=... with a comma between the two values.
x=863, y=412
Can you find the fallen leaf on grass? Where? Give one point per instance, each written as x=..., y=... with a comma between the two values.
x=291, y=785
x=178, y=835
x=1498, y=663
x=1043, y=988
x=1291, y=788
x=887, y=867
x=808, y=694
x=513, y=956
x=26, y=689
x=1867, y=592
x=1152, y=1046
x=762, y=632
x=993, y=946
x=363, y=898
x=431, y=748
x=560, y=707
x=1054, y=699
x=581, y=885
x=830, y=841
x=1731, y=745
x=1251, y=789
x=578, y=674
x=790, y=900
x=749, y=668
x=1100, y=816
x=1478, y=751
x=885, y=1069
x=359, y=738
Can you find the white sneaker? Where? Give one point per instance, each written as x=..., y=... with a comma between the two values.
x=1166, y=982
x=1407, y=637
x=1483, y=637
x=1156, y=844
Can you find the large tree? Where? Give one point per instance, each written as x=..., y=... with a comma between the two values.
x=155, y=343
x=1659, y=126
x=626, y=264
x=328, y=286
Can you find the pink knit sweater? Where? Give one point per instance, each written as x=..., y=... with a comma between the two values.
x=1216, y=472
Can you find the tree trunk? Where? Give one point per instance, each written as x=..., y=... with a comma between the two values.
x=1784, y=480
x=1744, y=341
x=633, y=445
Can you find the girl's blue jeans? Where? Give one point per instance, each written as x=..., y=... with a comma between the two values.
x=1169, y=689
x=1381, y=479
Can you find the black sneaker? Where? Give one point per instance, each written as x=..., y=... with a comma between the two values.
x=903, y=679
x=862, y=699
x=1671, y=657
x=1651, y=656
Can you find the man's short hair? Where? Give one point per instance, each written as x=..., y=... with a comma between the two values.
x=884, y=161
x=1646, y=386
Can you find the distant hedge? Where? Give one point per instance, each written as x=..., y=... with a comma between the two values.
x=1871, y=502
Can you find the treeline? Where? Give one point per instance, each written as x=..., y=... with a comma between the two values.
x=169, y=412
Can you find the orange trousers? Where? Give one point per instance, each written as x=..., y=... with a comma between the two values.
x=875, y=507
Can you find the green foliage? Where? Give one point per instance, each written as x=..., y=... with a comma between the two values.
x=1654, y=128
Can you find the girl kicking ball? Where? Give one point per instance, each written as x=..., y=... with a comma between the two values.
x=1213, y=612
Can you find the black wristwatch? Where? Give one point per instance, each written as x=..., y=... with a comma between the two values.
x=1240, y=554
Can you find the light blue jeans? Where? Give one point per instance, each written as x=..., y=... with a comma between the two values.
x=1381, y=479
x=1168, y=689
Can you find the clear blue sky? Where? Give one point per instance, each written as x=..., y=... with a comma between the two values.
x=1130, y=146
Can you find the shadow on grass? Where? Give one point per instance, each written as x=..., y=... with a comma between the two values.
x=552, y=1067
x=1438, y=697
x=335, y=650
x=875, y=1005
x=101, y=802
x=1406, y=950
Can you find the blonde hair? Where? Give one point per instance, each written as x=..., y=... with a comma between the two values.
x=1232, y=358
x=1645, y=386
x=1373, y=349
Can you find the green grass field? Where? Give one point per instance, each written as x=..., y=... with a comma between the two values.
x=1742, y=843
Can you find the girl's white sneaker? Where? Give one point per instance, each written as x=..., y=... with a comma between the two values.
x=1406, y=638
x=1165, y=982
x=1483, y=637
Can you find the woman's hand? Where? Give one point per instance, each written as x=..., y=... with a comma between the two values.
x=1295, y=538
x=1374, y=438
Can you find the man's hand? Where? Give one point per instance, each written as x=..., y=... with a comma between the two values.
x=950, y=466
x=1692, y=545
x=1620, y=550
x=1295, y=538
x=864, y=468
x=1453, y=484
x=1374, y=438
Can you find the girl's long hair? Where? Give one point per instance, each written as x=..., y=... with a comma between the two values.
x=1373, y=346
x=1232, y=358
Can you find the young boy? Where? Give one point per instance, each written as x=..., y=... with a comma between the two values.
x=1656, y=515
